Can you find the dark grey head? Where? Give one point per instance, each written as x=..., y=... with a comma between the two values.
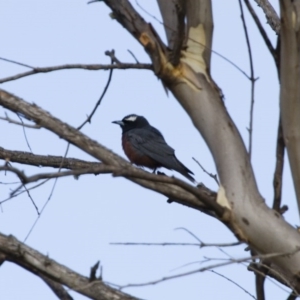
x=132, y=121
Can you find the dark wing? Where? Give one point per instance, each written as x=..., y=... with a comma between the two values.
x=149, y=141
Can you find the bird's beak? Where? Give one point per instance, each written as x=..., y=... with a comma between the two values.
x=121, y=123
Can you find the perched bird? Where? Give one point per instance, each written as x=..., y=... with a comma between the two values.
x=145, y=146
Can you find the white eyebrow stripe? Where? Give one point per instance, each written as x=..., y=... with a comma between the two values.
x=131, y=118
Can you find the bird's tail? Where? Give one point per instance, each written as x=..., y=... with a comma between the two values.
x=182, y=169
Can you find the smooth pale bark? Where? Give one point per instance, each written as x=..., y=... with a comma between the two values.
x=290, y=86
x=190, y=82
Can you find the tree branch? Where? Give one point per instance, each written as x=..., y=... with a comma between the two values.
x=252, y=78
x=290, y=86
x=262, y=32
x=277, y=180
x=209, y=267
x=111, y=54
x=28, y=158
x=57, y=288
x=91, y=67
x=270, y=14
x=37, y=263
x=93, y=148
x=83, y=168
x=192, y=85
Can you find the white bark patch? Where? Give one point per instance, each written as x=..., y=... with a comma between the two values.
x=193, y=55
x=221, y=198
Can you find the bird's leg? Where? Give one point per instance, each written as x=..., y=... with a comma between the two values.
x=154, y=170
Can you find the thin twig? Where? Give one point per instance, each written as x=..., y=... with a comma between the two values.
x=256, y=270
x=9, y=183
x=235, y=283
x=213, y=176
x=134, y=57
x=88, y=120
x=91, y=67
x=252, y=79
x=271, y=272
x=24, y=132
x=39, y=216
x=229, y=262
x=190, y=233
x=22, y=178
x=180, y=244
x=9, y=120
x=16, y=62
x=22, y=192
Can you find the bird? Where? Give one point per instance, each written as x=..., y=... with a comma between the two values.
x=145, y=146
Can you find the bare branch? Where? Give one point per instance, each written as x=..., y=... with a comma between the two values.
x=75, y=137
x=24, y=132
x=116, y=171
x=16, y=62
x=23, y=179
x=226, y=263
x=37, y=263
x=45, y=160
x=190, y=233
x=277, y=180
x=260, y=283
x=202, y=245
x=91, y=67
x=263, y=269
x=134, y=57
x=9, y=120
x=262, y=32
x=89, y=118
x=199, y=95
x=213, y=176
x=252, y=78
x=57, y=288
x=270, y=14
x=235, y=283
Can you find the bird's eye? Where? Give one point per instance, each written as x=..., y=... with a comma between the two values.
x=130, y=118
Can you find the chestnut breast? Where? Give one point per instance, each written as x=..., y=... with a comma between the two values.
x=137, y=157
